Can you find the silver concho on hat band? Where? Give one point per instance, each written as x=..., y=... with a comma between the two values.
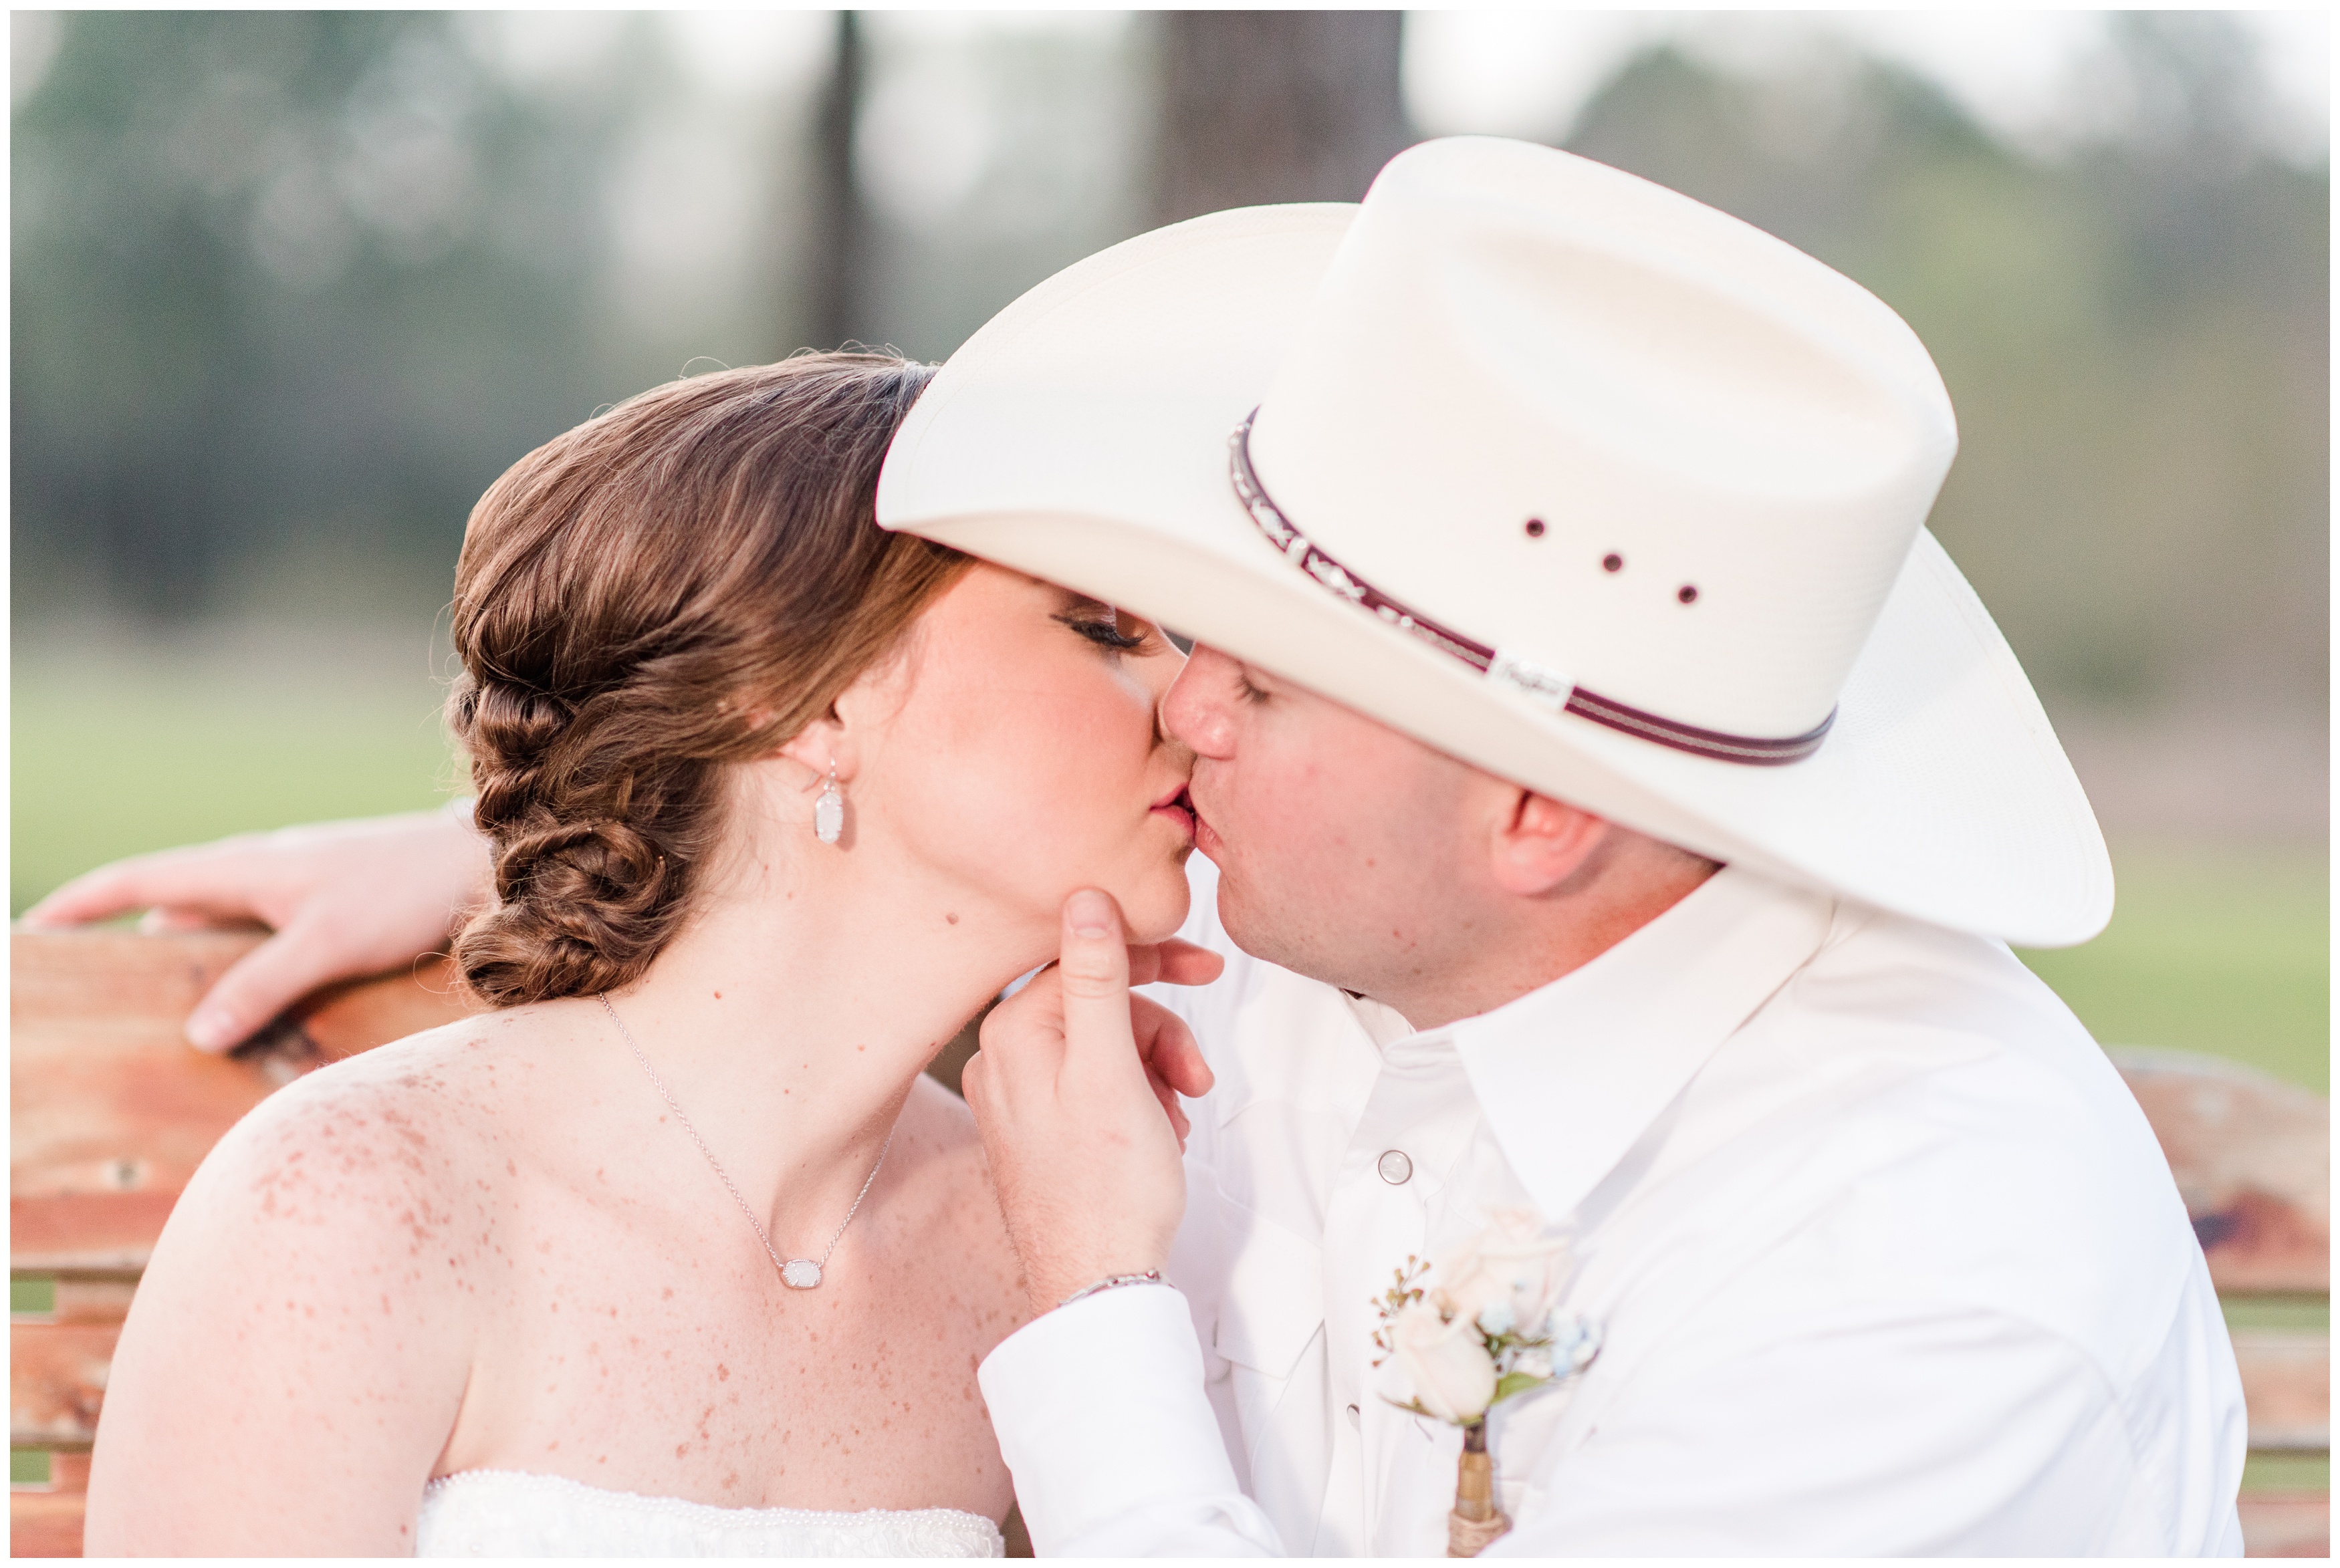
x=1540, y=685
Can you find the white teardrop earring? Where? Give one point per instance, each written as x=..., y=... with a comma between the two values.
x=829, y=811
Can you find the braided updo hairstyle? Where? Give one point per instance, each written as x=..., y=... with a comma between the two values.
x=681, y=583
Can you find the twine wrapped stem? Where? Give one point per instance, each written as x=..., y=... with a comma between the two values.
x=1475, y=1522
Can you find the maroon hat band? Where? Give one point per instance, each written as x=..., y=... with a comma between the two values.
x=1539, y=684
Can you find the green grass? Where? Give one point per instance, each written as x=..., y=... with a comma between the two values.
x=2223, y=949
x=112, y=757
x=2287, y=1472
x=2284, y=1314
x=32, y=1295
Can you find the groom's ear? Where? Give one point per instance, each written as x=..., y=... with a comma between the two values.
x=1541, y=844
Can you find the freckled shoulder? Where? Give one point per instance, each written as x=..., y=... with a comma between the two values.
x=394, y=1138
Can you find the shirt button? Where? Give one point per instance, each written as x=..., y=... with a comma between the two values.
x=1354, y=1418
x=1396, y=1167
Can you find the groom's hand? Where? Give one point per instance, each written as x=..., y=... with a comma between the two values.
x=344, y=899
x=1076, y=1092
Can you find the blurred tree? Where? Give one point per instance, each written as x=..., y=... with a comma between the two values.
x=839, y=236
x=982, y=157
x=288, y=289
x=1261, y=106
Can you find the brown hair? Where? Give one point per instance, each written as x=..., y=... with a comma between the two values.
x=683, y=582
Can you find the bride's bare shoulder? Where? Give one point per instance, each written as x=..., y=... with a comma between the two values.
x=407, y=1120
x=445, y=1070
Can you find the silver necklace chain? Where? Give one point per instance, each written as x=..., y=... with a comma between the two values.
x=796, y=1273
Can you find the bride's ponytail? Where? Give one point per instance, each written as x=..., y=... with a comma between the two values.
x=629, y=595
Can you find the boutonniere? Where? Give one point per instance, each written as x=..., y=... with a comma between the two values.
x=1472, y=1328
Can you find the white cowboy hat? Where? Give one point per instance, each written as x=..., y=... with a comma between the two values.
x=1559, y=472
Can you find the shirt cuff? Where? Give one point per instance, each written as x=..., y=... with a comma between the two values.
x=1100, y=1412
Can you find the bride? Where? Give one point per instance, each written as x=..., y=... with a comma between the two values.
x=675, y=1251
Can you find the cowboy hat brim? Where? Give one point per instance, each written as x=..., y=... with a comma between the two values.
x=1081, y=436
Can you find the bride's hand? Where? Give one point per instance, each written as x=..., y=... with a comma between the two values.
x=344, y=899
x=1075, y=1094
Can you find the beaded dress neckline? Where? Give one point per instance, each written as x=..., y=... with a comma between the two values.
x=522, y=1513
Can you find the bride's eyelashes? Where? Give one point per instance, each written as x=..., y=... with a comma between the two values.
x=1100, y=625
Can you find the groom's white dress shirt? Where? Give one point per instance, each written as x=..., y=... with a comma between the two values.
x=1885, y=1257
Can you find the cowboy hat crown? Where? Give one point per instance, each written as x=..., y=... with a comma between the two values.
x=1633, y=443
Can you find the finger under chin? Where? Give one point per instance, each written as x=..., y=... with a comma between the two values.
x=1173, y=963
x=1183, y=963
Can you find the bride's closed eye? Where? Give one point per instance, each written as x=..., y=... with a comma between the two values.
x=1101, y=624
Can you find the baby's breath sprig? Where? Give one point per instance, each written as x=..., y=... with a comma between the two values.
x=1404, y=1293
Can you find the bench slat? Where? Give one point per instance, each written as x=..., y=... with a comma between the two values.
x=113, y=972
x=106, y=1234
x=44, y=1523
x=2286, y=1524
x=2286, y=1388
x=2253, y=1160
x=56, y=1382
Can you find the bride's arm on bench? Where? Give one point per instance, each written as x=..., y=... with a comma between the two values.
x=345, y=899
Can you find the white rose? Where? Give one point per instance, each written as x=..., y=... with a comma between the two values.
x=1454, y=1377
x=1510, y=1262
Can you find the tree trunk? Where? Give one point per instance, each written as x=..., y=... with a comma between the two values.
x=1261, y=106
x=842, y=251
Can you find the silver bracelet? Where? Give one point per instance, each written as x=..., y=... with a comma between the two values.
x=1151, y=1276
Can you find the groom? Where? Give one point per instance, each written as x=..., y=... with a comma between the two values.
x=1579, y=706
x=1617, y=803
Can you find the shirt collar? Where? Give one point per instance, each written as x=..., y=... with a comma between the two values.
x=1571, y=1075
x=1382, y=1024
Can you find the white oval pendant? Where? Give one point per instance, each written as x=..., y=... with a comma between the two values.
x=800, y=1273
x=828, y=816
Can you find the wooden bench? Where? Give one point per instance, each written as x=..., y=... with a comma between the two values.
x=112, y=1112
x=2253, y=1158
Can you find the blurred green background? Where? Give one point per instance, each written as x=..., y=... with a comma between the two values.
x=290, y=289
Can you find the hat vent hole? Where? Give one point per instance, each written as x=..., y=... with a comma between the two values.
x=1612, y=563
x=1689, y=594
x=1535, y=527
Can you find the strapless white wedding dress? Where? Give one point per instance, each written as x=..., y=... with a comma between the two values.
x=514, y=1513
